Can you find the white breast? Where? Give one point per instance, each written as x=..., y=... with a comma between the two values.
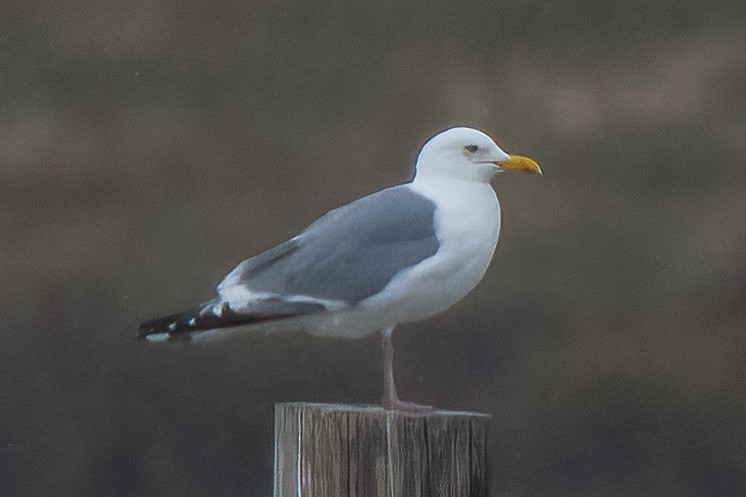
x=467, y=225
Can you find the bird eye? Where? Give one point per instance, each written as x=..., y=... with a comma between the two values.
x=471, y=148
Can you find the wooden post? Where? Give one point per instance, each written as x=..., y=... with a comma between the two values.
x=329, y=450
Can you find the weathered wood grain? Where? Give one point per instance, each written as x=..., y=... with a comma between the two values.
x=330, y=450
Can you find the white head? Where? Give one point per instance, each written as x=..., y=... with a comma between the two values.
x=469, y=154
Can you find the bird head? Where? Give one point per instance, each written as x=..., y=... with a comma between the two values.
x=468, y=153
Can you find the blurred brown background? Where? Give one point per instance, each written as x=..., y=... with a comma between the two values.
x=145, y=148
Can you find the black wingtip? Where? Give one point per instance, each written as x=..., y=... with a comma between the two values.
x=142, y=334
x=162, y=326
x=215, y=314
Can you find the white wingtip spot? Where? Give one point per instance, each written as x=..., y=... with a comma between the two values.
x=192, y=321
x=219, y=309
x=157, y=337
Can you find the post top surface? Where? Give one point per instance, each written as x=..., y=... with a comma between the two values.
x=378, y=410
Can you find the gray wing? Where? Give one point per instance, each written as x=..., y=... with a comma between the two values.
x=350, y=253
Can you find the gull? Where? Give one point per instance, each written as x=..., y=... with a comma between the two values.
x=400, y=255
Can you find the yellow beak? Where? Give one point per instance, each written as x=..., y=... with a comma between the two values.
x=519, y=163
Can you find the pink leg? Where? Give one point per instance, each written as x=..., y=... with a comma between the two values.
x=391, y=401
